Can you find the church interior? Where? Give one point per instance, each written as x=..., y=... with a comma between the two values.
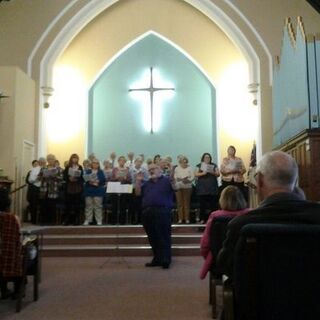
x=167, y=77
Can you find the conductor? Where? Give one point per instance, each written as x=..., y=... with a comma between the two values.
x=157, y=200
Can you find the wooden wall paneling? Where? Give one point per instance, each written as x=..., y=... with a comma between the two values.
x=305, y=148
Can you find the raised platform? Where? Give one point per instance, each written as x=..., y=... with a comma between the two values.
x=128, y=240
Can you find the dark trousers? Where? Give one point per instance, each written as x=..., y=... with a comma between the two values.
x=74, y=202
x=135, y=209
x=48, y=210
x=157, y=225
x=33, y=199
x=207, y=203
x=119, y=205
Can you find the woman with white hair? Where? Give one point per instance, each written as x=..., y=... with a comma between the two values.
x=183, y=177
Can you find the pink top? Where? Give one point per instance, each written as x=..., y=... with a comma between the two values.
x=205, y=240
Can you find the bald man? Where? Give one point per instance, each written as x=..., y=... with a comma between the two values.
x=276, y=178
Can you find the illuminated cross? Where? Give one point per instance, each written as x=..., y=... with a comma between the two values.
x=151, y=89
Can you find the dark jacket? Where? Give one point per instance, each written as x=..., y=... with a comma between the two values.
x=285, y=208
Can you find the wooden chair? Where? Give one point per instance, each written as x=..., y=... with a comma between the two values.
x=217, y=236
x=276, y=274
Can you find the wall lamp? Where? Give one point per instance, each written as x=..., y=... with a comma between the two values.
x=46, y=93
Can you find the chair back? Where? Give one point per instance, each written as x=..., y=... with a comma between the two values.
x=276, y=272
x=218, y=234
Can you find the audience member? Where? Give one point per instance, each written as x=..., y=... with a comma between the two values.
x=232, y=204
x=10, y=246
x=207, y=186
x=157, y=200
x=276, y=175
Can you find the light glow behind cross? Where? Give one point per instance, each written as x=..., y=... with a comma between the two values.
x=151, y=89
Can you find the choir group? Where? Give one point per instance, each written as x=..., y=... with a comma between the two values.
x=78, y=188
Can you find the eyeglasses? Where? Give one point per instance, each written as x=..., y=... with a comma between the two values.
x=255, y=175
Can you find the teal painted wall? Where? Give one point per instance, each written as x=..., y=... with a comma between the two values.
x=188, y=120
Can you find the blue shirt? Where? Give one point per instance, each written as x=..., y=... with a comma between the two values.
x=157, y=193
x=95, y=191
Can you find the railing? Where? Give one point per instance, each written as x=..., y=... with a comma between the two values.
x=17, y=189
x=17, y=197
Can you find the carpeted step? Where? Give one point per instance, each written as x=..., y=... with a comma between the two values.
x=91, y=239
x=127, y=240
x=113, y=250
x=111, y=229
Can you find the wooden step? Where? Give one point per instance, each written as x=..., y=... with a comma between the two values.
x=127, y=240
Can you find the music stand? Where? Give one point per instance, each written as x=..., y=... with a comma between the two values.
x=118, y=189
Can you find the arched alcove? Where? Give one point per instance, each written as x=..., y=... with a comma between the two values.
x=185, y=116
x=197, y=42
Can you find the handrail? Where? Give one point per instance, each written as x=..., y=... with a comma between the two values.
x=17, y=189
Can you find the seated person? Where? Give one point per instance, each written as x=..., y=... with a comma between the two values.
x=10, y=246
x=232, y=204
x=276, y=178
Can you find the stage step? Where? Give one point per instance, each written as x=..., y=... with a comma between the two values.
x=113, y=239
x=113, y=251
x=127, y=240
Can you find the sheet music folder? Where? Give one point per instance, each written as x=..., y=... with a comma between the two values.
x=117, y=187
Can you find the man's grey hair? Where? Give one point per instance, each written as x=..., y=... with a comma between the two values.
x=279, y=169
